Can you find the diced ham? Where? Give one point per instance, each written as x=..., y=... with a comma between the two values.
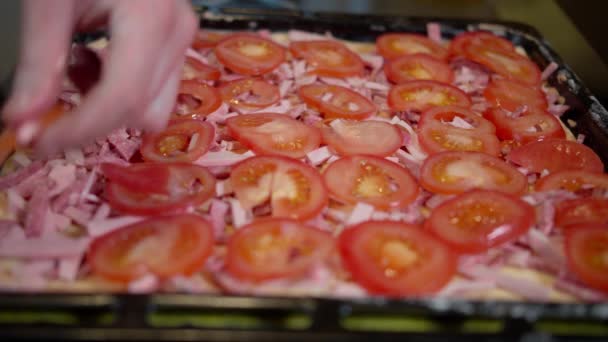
x=240, y=216
x=78, y=215
x=558, y=109
x=90, y=181
x=16, y=202
x=68, y=267
x=546, y=250
x=318, y=156
x=377, y=86
x=6, y=226
x=36, y=213
x=520, y=286
x=62, y=175
x=297, y=35
x=284, y=87
x=196, y=55
x=221, y=114
x=48, y=246
x=192, y=284
x=413, y=145
x=305, y=80
x=217, y=214
x=433, y=30
x=461, y=287
x=74, y=156
x=146, y=284
x=123, y=144
x=20, y=175
x=104, y=226
x=337, y=215
x=579, y=291
x=335, y=81
x=102, y=212
x=222, y=158
x=550, y=69
x=58, y=221
x=361, y=212
x=374, y=61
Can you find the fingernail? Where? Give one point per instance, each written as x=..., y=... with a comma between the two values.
x=26, y=132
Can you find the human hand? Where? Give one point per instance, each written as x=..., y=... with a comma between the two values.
x=139, y=79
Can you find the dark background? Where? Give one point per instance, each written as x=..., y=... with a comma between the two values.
x=573, y=28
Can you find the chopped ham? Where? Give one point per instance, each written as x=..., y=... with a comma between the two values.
x=558, y=109
x=6, y=226
x=433, y=31
x=217, y=213
x=579, y=291
x=79, y=216
x=297, y=35
x=36, y=213
x=519, y=286
x=305, y=80
x=549, y=70
x=88, y=185
x=546, y=250
x=221, y=114
x=104, y=226
x=74, y=156
x=68, y=267
x=58, y=221
x=222, y=158
x=48, y=246
x=413, y=145
x=335, y=81
x=196, y=55
x=192, y=284
x=223, y=188
x=318, y=156
x=123, y=144
x=102, y=212
x=459, y=122
x=146, y=284
x=15, y=201
x=461, y=287
x=62, y=175
x=285, y=87
x=377, y=86
x=361, y=212
x=374, y=61
x=240, y=216
x=20, y=175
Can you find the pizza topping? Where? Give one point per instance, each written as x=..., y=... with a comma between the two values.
x=249, y=94
x=424, y=95
x=337, y=102
x=182, y=141
x=354, y=137
x=328, y=58
x=392, y=45
x=556, y=155
x=248, y=54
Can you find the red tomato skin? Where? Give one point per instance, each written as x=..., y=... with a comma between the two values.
x=438, y=70
x=572, y=180
x=510, y=230
x=203, y=71
x=396, y=102
x=309, y=94
x=248, y=65
x=364, y=271
x=511, y=95
x=482, y=141
x=458, y=44
x=517, y=184
x=345, y=147
x=516, y=128
x=116, y=194
x=177, y=267
x=306, y=50
x=581, y=211
x=147, y=179
x=258, y=141
x=529, y=72
x=448, y=113
x=556, y=155
x=206, y=136
x=385, y=49
x=208, y=95
x=264, y=90
x=578, y=239
x=322, y=242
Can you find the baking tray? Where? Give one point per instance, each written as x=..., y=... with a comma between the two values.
x=185, y=317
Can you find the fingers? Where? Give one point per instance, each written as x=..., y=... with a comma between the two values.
x=140, y=32
x=159, y=111
x=45, y=40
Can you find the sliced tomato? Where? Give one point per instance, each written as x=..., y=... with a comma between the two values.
x=435, y=137
x=182, y=141
x=478, y=220
x=512, y=95
x=396, y=259
x=506, y=63
x=532, y=125
x=393, y=45
x=163, y=246
x=573, y=181
x=581, y=210
x=457, y=117
x=206, y=39
x=249, y=54
x=294, y=189
x=138, y=177
x=196, y=70
x=372, y=180
x=424, y=95
x=337, y=102
x=586, y=250
x=196, y=100
x=480, y=38
x=457, y=172
x=274, y=134
x=249, y=94
x=187, y=186
x=556, y=155
x=328, y=58
x=276, y=248
x=348, y=137
x=418, y=67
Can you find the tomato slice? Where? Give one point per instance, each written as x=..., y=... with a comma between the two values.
x=348, y=137
x=435, y=137
x=337, y=102
x=506, y=63
x=294, y=189
x=457, y=172
x=248, y=54
x=393, y=45
x=581, y=210
x=164, y=246
x=187, y=186
x=532, y=125
x=556, y=155
x=511, y=95
x=457, y=117
x=274, y=134
x=586, y=250
x=328, y=58
x=196, y=100
x=480, y=38
x=249, y=94
x=206, y=39
x=423, y=95
x=573, y=181
x=418, y=67
x=196, y=70
x=183, y=141
x=396, y=259
x=138, y=177
x=276, y=248
x=478, y=220
x=372, y=180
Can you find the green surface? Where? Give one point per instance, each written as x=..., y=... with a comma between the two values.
x=390, y=323
x=289, y=321
x=573, y=328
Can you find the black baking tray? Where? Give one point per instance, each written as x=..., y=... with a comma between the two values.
x=186, y=317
